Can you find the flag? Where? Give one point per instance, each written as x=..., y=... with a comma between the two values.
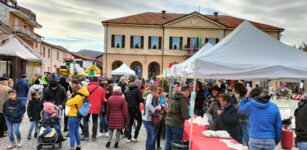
x=191, y=46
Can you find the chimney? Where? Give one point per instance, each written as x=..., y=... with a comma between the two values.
x=215, y=14
x=163, y=11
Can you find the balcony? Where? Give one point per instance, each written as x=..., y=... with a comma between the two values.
x=25, y=33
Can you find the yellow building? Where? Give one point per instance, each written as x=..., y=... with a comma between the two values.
x=150, y=42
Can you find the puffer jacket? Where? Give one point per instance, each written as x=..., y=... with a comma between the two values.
x=57, y=96
x=76, y=100
x=34, y=110
x=96, y=98
x=3, y=94
x=14, y=110
x=134, y=97
x=178, y=111
x=117, y=111
x=36, y=88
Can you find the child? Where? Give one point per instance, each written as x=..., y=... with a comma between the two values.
x=34, y=108
x=50, y=115
x=13, y=110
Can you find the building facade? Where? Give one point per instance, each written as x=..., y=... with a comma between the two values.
x=150, y=42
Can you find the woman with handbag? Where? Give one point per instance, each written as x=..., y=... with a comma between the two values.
x=161, y=128
x=151, y=117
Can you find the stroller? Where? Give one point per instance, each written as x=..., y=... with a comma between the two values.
x=50, y=139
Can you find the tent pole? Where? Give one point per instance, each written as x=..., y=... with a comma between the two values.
x=192, y=103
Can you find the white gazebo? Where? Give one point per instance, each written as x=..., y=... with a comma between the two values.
x=123, y=70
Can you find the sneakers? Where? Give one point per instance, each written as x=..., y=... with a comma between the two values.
x=78, y=148
x=134, y=140
x=108, y=145
x=19, y=143
x=129, y=140
x=106, y=134
x=94, y=139
x=29, y=137
x=116, y=145
x=84, y=139
x=11, y=146
x=100, y=135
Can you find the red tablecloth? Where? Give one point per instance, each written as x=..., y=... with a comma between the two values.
x=200, y=142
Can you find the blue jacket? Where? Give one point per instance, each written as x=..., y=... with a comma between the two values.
x=264, y=118
x=22, y=88
x=14, y=110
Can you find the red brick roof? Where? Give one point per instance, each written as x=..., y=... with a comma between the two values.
x=84, y=57
x=151, y=18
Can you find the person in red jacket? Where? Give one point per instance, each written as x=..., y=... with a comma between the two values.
x=117, y=115
x=96, y=99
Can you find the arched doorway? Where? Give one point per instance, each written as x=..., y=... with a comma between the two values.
x=153, y=70
x=116, y=64
x=137, y=67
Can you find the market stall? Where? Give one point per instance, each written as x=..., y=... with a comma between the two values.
x=123, y=70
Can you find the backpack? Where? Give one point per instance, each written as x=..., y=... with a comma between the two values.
x=85, y=106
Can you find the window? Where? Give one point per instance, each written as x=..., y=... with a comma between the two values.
x=136, y=41
x=118, y=41
x=212, y=41
x=44, y=52
x=175, y=42
x=193, y=44
x=154, y=42
x=49, y=53
x=11, y=3
x=57, y=55
x=16, y=24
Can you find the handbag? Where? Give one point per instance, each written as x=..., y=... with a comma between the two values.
x=155, y=119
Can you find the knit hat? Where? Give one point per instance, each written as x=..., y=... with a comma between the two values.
x=94, y=79
x=4, y=78
x=48, y=107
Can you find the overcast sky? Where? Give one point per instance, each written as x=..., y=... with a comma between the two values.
x=76, y=24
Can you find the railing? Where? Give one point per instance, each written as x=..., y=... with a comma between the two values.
x=21, y=29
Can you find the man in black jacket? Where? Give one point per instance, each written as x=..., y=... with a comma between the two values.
x=301, y=125
x=134, y=98
x=56, y=94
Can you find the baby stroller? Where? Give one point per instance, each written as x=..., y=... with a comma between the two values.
x=50, y=139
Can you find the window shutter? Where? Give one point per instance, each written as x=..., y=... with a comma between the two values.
x=160, y=42
x=180, y=43
x=112, y=41
x=142, y=42
x=149, y=42
x=189, y=42
x=206, y=40
x=217, y=40
x=123, y=41
x=170, y=42
x=131, y=41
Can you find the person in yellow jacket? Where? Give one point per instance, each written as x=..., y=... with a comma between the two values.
x=73, y=120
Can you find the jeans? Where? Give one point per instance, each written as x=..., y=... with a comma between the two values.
x=74, y=123
x=261, y=144
x=134, y=114
x=24, y=100
x=13, y=128
x=55, y=126
x=95, y=125
x=117, y=135
x=302, y=145
x=103, y=123
x=34, y=124
x=245, y=134
x=172, y=134
x=150, y=142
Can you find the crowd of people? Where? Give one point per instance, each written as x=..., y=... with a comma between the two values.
x=246, y=114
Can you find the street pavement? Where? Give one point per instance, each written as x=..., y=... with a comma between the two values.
x=90, y=145
x=123, y=145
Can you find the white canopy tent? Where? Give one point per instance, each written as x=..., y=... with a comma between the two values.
x=250, y=54
x=14, y=47
x=123, y=70
x=178, y=70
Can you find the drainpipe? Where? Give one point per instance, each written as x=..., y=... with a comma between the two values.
x=106, y=48
x=162, y=49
